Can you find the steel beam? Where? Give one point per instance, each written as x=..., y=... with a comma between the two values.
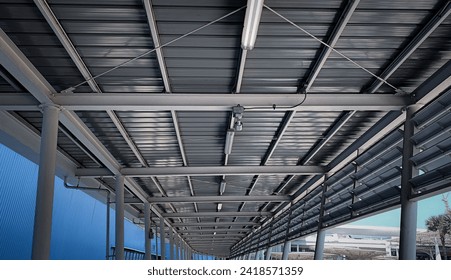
x=225, y=102
x=221, y=198
x=413, y=45
x=156, y=41
x=208, y=102
x=212, y=238
x=18, y=101
x=213, y=224
x=216, y=230
x=204, y=171
x=216, y=214
x=167, y=86
x=208, y=236
x=333, y=39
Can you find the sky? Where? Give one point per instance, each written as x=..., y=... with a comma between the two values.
x=426, y=208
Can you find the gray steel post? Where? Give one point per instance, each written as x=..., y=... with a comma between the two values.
x=46, y=183
x=319, y=245
x=147, y=230
x=321, y=233
x=119, y=217
x=286, y=250
x=171, y=244
x=162, y=239
x=408, y=234
x=177, y=248
x=156, y=241
x=107, y=237
x=268, y=253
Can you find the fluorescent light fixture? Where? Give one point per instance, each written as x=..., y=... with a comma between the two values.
x=219, y=206
x=238, y=126
x=229, y=141
x=251, y=22
x=222, y=186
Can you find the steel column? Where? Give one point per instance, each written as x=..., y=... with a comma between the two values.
x=268, y=253
x=408, y=227
x=321, y=233
x=286, y=250
x=162, y=239
x=177, y=248
x=46, y=181
x=107, y=238
x=156, y=241
x=319, y=245
x=171, y=244
x=147, y=230
x=119, y=217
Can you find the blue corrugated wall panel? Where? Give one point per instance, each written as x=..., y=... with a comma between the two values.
x=78, y=230
x=18, y=178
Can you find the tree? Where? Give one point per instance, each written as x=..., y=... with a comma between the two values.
x=441, y=224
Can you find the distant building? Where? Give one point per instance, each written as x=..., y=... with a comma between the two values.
x=361, y=242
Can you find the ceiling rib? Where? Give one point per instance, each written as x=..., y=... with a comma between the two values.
x=10, y=80
x=167, y=86
x=336, y=33
x=419, y=38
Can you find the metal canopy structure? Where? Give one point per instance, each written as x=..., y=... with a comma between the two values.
x=159, y=104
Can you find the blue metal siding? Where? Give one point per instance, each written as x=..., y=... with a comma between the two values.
x=18, y=178
x=78, y=230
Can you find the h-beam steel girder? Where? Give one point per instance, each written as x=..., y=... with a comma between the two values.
x=221, y=102
x=208, y=102
x=212, y=230
x=216, y=214
x=221, y=198
x=214, y=224
x=203, y=171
